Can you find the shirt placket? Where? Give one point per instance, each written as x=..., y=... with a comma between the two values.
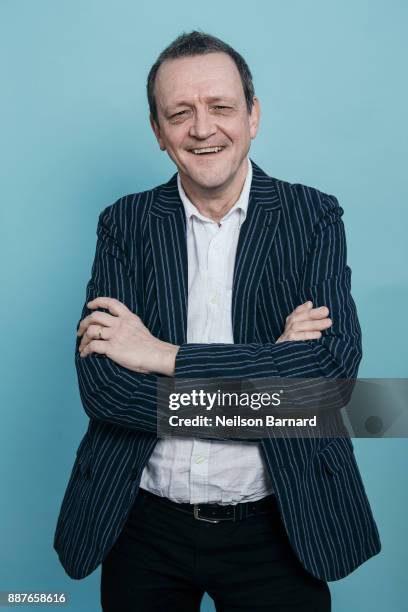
x=201, y=449
x=216, y=269
x=199, y=463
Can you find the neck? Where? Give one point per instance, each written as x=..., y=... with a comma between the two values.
x=216, y=203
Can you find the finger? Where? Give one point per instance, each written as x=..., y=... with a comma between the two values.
x=83, y=325
x=95, y=346
x=311, y=335
x=304, y=335
x=102, y=318
x=313, y=314
x=317, y=325
x=300, y=311
x=305, y=307
x=112, y=304
x=94, y=332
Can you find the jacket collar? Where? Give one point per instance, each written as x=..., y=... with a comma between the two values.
x=263, y=192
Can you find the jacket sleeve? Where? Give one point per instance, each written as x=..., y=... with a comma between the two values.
x=326, y=281
x=110, y=392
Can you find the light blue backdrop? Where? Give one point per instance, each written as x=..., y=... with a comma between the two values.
x=331, y=77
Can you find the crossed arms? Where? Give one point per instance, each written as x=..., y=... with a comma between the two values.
x=118, y=359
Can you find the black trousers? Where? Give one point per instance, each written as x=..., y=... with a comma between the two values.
x=164, y=560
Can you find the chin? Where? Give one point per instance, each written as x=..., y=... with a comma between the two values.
x=210, y=178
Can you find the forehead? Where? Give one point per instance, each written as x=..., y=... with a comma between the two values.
x=213, y=74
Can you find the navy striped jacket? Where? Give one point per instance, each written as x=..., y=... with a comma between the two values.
x=291, y=249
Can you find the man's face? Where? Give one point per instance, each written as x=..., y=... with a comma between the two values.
x=201, y=105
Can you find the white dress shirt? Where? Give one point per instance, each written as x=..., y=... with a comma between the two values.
x=208, y=471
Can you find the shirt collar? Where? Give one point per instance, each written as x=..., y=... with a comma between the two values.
x=241, y=203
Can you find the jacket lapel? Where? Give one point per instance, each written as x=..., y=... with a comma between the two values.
x=167, y=226
x=168, y=239
x=255, y=240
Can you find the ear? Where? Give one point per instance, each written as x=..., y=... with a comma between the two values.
x=254, y=118
x=157, y=132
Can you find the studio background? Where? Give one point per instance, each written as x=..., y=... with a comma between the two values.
x=75, y=136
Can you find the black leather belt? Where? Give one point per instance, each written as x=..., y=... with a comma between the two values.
x=214, y=513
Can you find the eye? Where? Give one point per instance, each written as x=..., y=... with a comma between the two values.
x=179, y=114
x=221, y=108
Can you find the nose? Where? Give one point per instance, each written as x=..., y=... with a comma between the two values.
x=202, y=126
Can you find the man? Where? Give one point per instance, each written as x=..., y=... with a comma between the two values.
x=221, y=272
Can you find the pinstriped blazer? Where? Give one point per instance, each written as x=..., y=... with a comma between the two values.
x=291, y=249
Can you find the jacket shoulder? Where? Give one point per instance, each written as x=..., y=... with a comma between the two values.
x=305, y=197
x=297, y=196
x=129, y=208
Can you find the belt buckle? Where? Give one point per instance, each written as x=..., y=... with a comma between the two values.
x=201, y=518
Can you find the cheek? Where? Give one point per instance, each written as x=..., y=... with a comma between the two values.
x=175, y=138
x=239, y=133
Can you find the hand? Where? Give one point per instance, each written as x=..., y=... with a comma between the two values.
x=125, y=339
x=306, y=323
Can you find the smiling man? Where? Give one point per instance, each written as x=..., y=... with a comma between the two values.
x=202, y=119
x=221, y=272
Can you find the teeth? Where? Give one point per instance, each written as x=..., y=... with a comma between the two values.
x=207, y=150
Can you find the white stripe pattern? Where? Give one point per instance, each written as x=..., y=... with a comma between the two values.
x=291, y=248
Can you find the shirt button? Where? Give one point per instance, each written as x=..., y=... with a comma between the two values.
x=213, y=300
x=200, y=459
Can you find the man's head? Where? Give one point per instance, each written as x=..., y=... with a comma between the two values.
x=201, y=98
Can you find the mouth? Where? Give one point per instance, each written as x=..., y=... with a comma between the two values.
x=206, y=151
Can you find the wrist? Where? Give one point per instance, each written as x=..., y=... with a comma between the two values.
x=168, y=358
